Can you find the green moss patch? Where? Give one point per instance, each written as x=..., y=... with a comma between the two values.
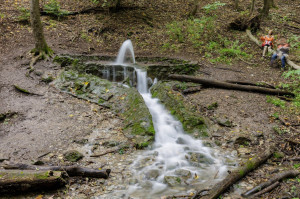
x=192, y=121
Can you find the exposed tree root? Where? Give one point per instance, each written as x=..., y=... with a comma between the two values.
x=289, y=62
x=269, y=185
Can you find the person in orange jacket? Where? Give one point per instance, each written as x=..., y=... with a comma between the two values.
x=267, y=42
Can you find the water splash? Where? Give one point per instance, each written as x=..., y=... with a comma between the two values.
x=126, y=46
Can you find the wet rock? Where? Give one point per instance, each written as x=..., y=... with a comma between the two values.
x=183, y=173
x=181, y=140
x=242, y=140
x=81, y=141
x=152, y=174
x=73, y=156
x=243, y=152
x=3, y=157
x=132, y=181
x=200, y=158
x=111, y=144
x=172, y=180
x=224, y=122
x=47, y=77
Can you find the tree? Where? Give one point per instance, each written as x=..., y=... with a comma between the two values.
x=252, y=7
x=41, y=48
x=266, y=8
x=236, y=4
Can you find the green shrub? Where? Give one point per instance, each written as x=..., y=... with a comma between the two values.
x=210, y=7
x=276, y=101
x=25, y=15
x=53, y=8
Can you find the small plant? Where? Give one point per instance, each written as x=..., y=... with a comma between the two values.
x=275, y=115
x=213, y=106
x=25, y=15
x=276, y=101
x=296, y=166
x=1, y=16
x=53, y=8
x=210, y=7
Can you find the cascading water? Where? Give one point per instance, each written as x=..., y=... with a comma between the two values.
x=172, y=151
x=127, y=45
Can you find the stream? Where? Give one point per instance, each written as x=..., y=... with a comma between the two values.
x=176, y=162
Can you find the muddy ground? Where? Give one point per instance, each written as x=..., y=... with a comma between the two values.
x=47, y=124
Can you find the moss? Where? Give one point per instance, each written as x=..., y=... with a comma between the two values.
x=250, y=165
x=213, y=106
x=278, y=155
x=42, y=175
x=63, y=60
x=73, y=156
x=21, y=89
x=192, y=121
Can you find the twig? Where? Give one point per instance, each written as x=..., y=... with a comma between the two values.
x=106, y=152
x=280, y=176
x=266, y=190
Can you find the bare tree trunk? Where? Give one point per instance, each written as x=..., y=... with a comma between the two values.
x=195, y=9
x=272, y=3
x=252, y=7
x=38, y=33
x=266, y=8
x=236, y=4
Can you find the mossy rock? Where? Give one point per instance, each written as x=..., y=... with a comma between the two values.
x=193, y=122
x=73, y=156
x=124, y=101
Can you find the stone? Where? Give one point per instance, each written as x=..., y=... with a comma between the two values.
x=73, y=156
x=183, y=173
x=152, y=174
x=242, y=140
x=200, y=158
x=224, y=122
x=172, y=180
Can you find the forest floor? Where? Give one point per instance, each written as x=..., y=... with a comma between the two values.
x=52, y=122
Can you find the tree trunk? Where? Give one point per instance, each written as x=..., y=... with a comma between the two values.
x=238, y=174
x=266, y=8
x=236, y=5
x=252, y=7
x=37, y=28
x=225, y=85
x=71, y=170
x=194, y=10
x=17, y=182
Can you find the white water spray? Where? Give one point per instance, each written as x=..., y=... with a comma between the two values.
x=126, y=46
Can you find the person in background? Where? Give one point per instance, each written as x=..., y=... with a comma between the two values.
x=282, y=52
x=267, y=42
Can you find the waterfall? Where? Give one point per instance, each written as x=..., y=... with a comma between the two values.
x=127, y=45
x=172, y=149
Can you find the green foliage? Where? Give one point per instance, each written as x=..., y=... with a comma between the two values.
x=293, y=85
x=2, y=15
x=202, y=34
x=276, y=101
x=54, y=9
x=210, y=7
x=25, y=14
x=281, y=130
x=296, y=166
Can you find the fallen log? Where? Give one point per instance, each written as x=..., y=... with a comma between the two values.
x=225, y=85
x=70, y=170
x=259, y=84
x=280, y=176
x=17, y=182
x=289, y=62
x=237, y=174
